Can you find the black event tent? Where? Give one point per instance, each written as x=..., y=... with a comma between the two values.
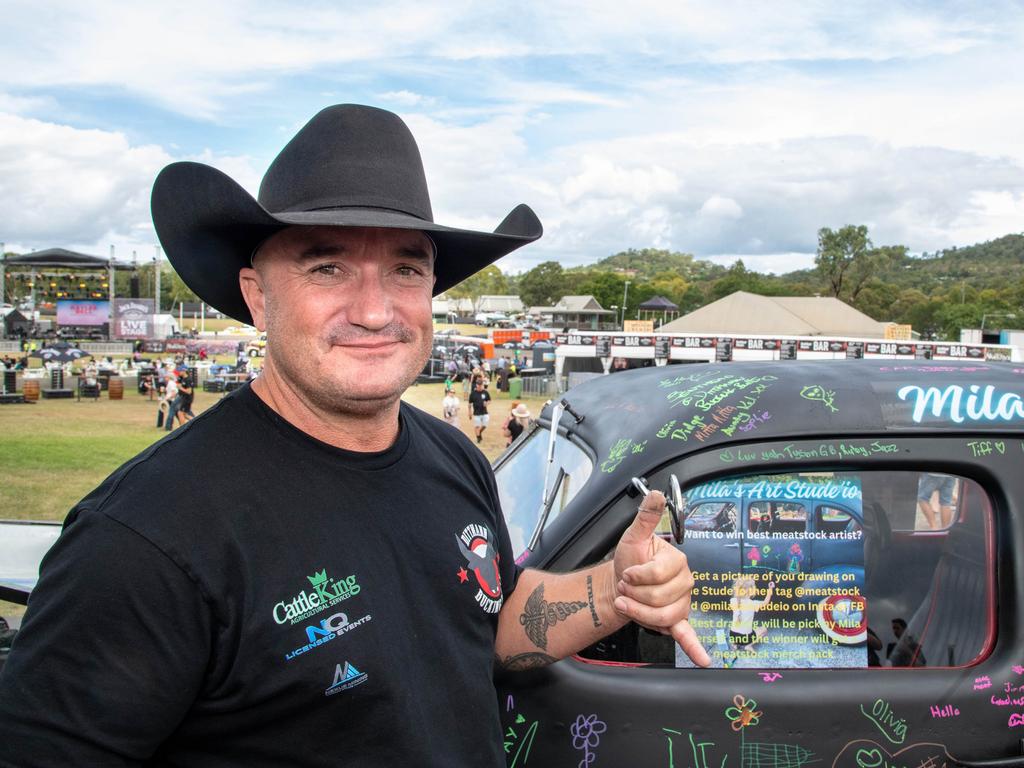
x=61, y=257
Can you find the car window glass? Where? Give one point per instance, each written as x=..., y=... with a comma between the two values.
x=520, y=479
x=830, y=570
x=708, y=516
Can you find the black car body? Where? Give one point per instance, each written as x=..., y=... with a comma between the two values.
x=887, y=642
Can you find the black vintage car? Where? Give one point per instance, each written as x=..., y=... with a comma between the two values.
x=854, y=534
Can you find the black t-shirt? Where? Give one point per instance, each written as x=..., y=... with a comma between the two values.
x=515, y=428
x=479, y=398
x=283, y=602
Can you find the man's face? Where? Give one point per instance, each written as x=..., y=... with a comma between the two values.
x=347, y=312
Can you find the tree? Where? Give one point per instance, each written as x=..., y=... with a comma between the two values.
x=606, y=287
x=543, y=285
x=837, y=253
x=847, y=260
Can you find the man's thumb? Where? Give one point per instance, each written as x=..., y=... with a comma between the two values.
x=647, y=517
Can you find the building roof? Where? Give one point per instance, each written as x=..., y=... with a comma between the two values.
x=743, y=312
x=442, y=305
x=499, y=304
x=573, y=305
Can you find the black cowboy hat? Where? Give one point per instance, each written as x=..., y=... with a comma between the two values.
x=351, y=166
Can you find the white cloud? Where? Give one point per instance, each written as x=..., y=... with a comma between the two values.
x=725, y=129
x=718, y=207
x=62, y=184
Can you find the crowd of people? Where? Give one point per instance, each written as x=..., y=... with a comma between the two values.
x=476, y=391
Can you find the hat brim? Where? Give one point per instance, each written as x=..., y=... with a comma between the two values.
x=209, y=227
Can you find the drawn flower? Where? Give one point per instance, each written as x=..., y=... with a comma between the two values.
x=744, y=713
x=586, y=732
x=754, y=556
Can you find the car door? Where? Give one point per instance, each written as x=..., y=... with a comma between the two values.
x=951, y=674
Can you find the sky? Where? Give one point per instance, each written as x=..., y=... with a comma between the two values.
x=722, y=129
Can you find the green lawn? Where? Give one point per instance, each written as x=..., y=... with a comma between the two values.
x=54, y=452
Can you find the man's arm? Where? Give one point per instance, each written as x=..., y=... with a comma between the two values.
x=550, y=616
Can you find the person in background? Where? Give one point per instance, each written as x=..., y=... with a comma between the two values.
x=171, y=399
x=478, y=400
x=183, y=412
x=928, y=484
x=506, y=425
x=519, y=420
x=450, y=407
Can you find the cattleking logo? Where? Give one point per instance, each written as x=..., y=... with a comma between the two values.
x=345, y=677
x=328, y=629
x=325, y=593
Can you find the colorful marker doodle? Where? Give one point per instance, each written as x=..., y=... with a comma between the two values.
x=586, y=736
x=743, y=713
x=508, y=704
x=838, y=450
x=619, y=451
x=764, y=755
x=864, y=753
x=882, y=715
x=770, y=677
x=983, y=682
x=986, y=447
x=825, y=396
x=1016, y=720
x=699, y=749
x=1017, y=669
x=518, y=741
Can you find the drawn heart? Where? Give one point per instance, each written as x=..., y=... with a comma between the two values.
x=864, y=753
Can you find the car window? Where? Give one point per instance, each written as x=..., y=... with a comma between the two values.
x=832, y=570
x=831, y=519
x=520, y=478
x=708, y=516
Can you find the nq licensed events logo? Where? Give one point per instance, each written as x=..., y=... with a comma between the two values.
x=328, y=629
x=325, y=593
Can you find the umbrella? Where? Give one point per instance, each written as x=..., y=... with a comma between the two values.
x=61, y=352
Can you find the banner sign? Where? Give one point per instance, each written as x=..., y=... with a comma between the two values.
x=133, y=318
x=778, y=568
x=82, y=312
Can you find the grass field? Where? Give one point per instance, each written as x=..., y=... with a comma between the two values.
x=54, y=452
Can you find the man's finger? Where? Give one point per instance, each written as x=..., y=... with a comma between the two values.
x=686, y=636
x=652, y=616
x=659, y=593
x=647, y=518
x=665, y=565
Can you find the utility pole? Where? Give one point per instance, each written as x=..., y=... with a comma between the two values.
x=156, y=278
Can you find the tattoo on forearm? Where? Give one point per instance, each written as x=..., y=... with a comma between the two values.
x=590, y=600
x=523, y=661
x=538, y=615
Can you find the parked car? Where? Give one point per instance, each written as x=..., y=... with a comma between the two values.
x=891, y=638
x=853, y=511
x=257, y=347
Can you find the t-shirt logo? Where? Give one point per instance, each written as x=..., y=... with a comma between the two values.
x=477, y=544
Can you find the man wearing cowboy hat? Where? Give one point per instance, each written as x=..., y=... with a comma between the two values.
x=281, y=611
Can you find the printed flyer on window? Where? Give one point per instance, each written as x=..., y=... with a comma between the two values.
x=778, y=564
